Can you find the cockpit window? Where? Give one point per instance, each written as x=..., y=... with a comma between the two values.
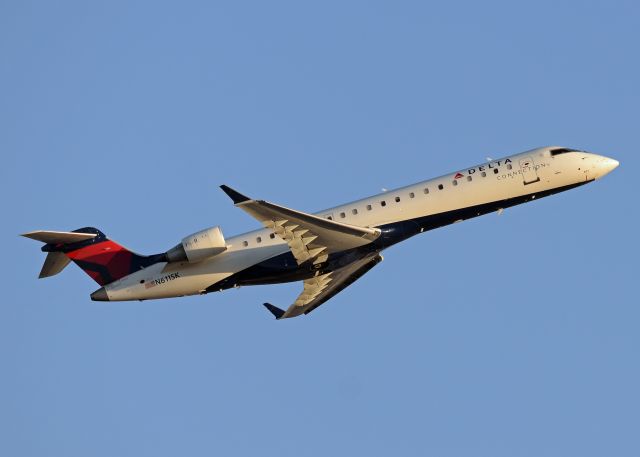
x=555, y=152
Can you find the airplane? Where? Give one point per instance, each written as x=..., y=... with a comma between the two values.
x=328, y=250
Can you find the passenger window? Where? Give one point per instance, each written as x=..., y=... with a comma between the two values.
x=469, y=178
x=245, y=243
x=397, y=199
x=484, y=175
x=495, y=171
x=411, y=195
x=272, y=236
x=440, y=186
x=509, y=167
x=383, y=203
x=368, y=207
x=342, y=215
x=454, y=182
x=426, y=190
x=354, y=211
x=259, y=239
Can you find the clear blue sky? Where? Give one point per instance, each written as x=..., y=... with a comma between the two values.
x=512, y=335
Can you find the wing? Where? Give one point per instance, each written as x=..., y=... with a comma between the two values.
x=321, y=288
x=309, y=237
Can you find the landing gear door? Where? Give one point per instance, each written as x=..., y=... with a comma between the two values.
x=528, y=170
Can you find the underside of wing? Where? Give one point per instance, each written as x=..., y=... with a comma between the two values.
x=320, y=288
x=310, y=238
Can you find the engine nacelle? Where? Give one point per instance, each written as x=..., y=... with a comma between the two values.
x=199, y=246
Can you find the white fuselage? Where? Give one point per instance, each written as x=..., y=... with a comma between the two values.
x=525, y=174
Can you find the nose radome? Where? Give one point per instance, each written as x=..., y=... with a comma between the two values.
x=608, y=165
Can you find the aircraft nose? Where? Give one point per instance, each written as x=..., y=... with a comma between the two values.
x=100, y=295
x=607, y=165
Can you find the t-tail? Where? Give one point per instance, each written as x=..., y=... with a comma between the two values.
x=102, y=259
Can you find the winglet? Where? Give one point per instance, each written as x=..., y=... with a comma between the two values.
x=277, y=312
x=236, y=196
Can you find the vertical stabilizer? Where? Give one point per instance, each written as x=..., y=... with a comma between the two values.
x=101, y=258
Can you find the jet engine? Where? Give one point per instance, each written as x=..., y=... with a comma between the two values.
x=198, y=246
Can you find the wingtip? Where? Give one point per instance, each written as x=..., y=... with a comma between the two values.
x=236, y=196
x=277, y=312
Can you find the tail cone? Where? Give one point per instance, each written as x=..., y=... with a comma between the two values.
x=100, y=295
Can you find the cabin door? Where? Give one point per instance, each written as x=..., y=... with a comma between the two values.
x=528, y=170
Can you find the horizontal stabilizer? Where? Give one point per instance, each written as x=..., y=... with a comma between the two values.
x=277, y=312
x=54, y=264
x=47, y=236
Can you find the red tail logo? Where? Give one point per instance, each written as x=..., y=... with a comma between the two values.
x=105, y=261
